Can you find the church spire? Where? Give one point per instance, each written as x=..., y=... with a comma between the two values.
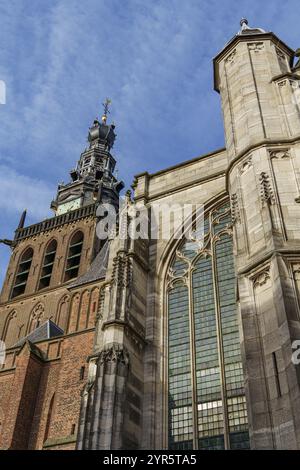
x=93, y=177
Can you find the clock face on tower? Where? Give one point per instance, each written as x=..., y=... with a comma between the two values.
x=68, y=206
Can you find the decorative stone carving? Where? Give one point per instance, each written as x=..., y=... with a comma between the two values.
x=280, y=54
x=235, y=210
x=38, y=311
x=279, y=154
x=230, y=58
x=282, y=83
x=260, y=278
x=121, y=275
x=296, y=271
x=266, y=192
x=256, y=46
x=245, y=165
x=294, y=84
x=115, y=353
x=35, y=317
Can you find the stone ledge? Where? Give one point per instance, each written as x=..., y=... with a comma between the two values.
x=60, y=441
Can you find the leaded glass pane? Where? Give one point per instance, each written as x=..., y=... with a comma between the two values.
x=180, y=389
x=207, y=314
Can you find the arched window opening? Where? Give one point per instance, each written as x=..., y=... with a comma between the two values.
x=74, y=256
x=48, y=265
x=206, y=397
x=22, y=273
x=36, y=318
x=49, y=418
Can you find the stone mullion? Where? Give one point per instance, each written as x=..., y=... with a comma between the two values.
x=166, y=374
x=220, y=345
x=193, y=361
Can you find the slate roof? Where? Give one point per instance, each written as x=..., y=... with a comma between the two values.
x=46, y=331
x=97, y=269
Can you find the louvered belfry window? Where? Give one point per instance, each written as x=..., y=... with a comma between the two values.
x=22, y=273
x=74, y=256
x=48, y=265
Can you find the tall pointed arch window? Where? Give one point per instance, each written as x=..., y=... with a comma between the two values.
x=23, y=270
x=206, y=397
x=48, y=264
x=74, y=256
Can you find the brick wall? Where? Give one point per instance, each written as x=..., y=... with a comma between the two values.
x=26, y=393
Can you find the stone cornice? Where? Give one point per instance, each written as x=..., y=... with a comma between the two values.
x=188, y=162
x=248, y=38
x=265, y=257
x=139, y=260
x=261, y=143
x=123, y=324
x=182, y=187
x=285, y=75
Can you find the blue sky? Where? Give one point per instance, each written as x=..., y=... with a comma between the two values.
x=61, y=58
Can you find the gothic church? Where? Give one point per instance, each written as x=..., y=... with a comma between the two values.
x=163, y=343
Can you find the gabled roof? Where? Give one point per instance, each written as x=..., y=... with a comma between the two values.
x=47, y=330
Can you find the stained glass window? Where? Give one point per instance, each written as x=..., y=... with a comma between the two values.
x=206, y=398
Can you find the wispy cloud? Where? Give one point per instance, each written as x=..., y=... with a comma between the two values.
x=18, y=192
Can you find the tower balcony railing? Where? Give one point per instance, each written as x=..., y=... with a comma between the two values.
x=49, y=224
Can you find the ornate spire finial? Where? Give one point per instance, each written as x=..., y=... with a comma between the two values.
x=244, y=24
x=106, y=105
x=245, y=28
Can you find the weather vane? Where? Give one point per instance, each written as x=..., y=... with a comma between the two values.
x=106, y=105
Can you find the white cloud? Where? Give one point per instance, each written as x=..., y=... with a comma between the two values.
x=18, y=192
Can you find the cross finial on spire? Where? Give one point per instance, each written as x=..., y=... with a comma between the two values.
x=106, y=105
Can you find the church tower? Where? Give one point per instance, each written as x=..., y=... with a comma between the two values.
x=259, y=88
x=49, y=304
